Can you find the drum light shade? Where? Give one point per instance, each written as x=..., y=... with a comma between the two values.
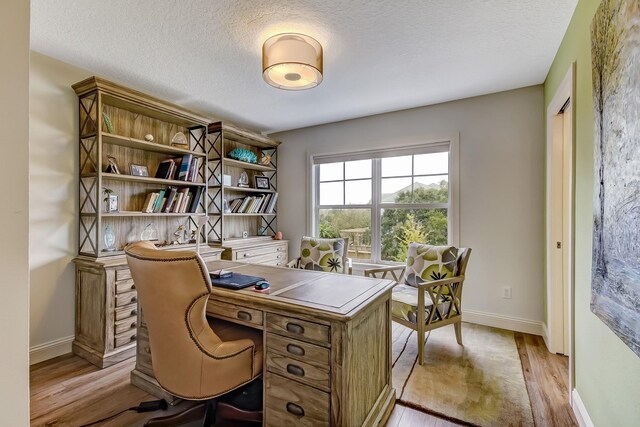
x=292, y=61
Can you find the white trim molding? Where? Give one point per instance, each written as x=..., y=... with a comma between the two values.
x=579, y=410
x=503, y=322
x=545, y=334
x=49, y=350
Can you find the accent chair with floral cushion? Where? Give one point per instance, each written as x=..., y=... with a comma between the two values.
x=433, y=275
x=319, y=254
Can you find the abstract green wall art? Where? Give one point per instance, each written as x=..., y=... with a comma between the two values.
x=615, y=55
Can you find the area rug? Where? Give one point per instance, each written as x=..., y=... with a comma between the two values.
x=480, y=384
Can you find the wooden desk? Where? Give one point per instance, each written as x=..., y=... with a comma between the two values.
x=327, y=345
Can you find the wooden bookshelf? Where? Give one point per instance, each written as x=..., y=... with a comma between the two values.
x=106, y=298
x=229, y=227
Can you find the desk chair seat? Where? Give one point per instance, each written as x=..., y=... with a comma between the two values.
x=192, y=358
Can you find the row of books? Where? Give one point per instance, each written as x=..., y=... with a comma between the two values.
x=183, y=168
x=173, y=200
x=265, y=203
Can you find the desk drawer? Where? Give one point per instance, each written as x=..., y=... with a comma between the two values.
x=290, y=403
x=298, y=329
x=126, y=311
x=236, y=312
x=215, y=256
x=243, y=254
x=316, y=376
x=125, y=286
x=125, y=338
x=305, y=352
x=126, y=298
x=123, y=274
x=126, y=324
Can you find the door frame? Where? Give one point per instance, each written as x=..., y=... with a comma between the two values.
x=555, y=317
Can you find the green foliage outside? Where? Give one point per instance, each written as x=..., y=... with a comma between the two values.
x=399, y=227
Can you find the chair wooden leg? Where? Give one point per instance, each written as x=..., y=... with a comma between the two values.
x=458, y=326
x=420, y=345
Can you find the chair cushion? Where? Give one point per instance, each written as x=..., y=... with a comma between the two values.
x=322, y=254
x=404, y=304
x=426, y=263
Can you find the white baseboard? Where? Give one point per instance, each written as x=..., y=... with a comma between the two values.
x=503, y=322
x=545, y=335
x=579, y=410
x=41, y=352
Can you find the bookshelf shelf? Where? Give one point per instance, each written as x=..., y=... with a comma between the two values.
x=124, y=141
x=150, y=180
x=241, y=189
x=249, y=214
x=143, y=214
x=245, y=165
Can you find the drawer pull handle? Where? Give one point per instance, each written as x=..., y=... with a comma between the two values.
x=295, y=370
x=246, y=254
x=295, y=328
x=133, y=286
x=134, y=312
x=294, y=409
x=243, y=315
x=133, y=337
x=295, y=349
x=133, y=325
x=134, y=299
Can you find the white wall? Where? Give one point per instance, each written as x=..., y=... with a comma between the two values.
x=501, y=189
x=14, y=215
x=53, y=201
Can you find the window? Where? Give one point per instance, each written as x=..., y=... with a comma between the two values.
x=384, y=200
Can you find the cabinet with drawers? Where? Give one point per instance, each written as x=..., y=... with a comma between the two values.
x=107, y=308
x=264, y=251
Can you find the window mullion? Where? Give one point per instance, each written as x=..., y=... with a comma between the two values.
x=376, y=195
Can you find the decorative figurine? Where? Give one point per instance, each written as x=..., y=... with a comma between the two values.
x=179, y=235
x=278, y=235
x=225, y=206
x=243, y=181
x=148, y=137
x=243, y=155
x=265, y=159
x=109, y=239
x=180, y=140
x=150, y=233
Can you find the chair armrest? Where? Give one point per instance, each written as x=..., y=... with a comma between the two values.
x=441, y=282
x=294, y=263
x=397, y=271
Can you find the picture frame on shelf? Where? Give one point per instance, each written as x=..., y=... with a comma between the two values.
x=138, y=170
x=112, y=167
x=261, y=182
x=110, y=202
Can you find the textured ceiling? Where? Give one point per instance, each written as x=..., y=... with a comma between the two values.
x=380, y=55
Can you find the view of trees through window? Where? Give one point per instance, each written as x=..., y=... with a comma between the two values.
x=412, y=205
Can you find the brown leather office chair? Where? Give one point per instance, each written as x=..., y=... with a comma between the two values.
x=192, y=358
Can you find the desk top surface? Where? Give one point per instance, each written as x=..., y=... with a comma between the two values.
x=334, y=295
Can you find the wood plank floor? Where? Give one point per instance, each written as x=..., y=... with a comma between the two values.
x=68, y=391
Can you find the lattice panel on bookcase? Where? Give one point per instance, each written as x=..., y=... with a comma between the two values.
x=197, y=136
x=88, y=235
x=214, y=228
x=269, y=224
x=89, y=114
x=89, y=200
x=88, y=155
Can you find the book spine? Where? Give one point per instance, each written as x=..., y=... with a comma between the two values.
x=184, y=167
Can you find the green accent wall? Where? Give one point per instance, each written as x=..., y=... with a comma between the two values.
x=607, y=372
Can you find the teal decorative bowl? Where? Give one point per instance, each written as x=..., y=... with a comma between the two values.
x=243, y=155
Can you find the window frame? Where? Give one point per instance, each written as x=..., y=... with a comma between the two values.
x=432, y=145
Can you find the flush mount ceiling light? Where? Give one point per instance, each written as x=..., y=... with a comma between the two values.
x=292, y=61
